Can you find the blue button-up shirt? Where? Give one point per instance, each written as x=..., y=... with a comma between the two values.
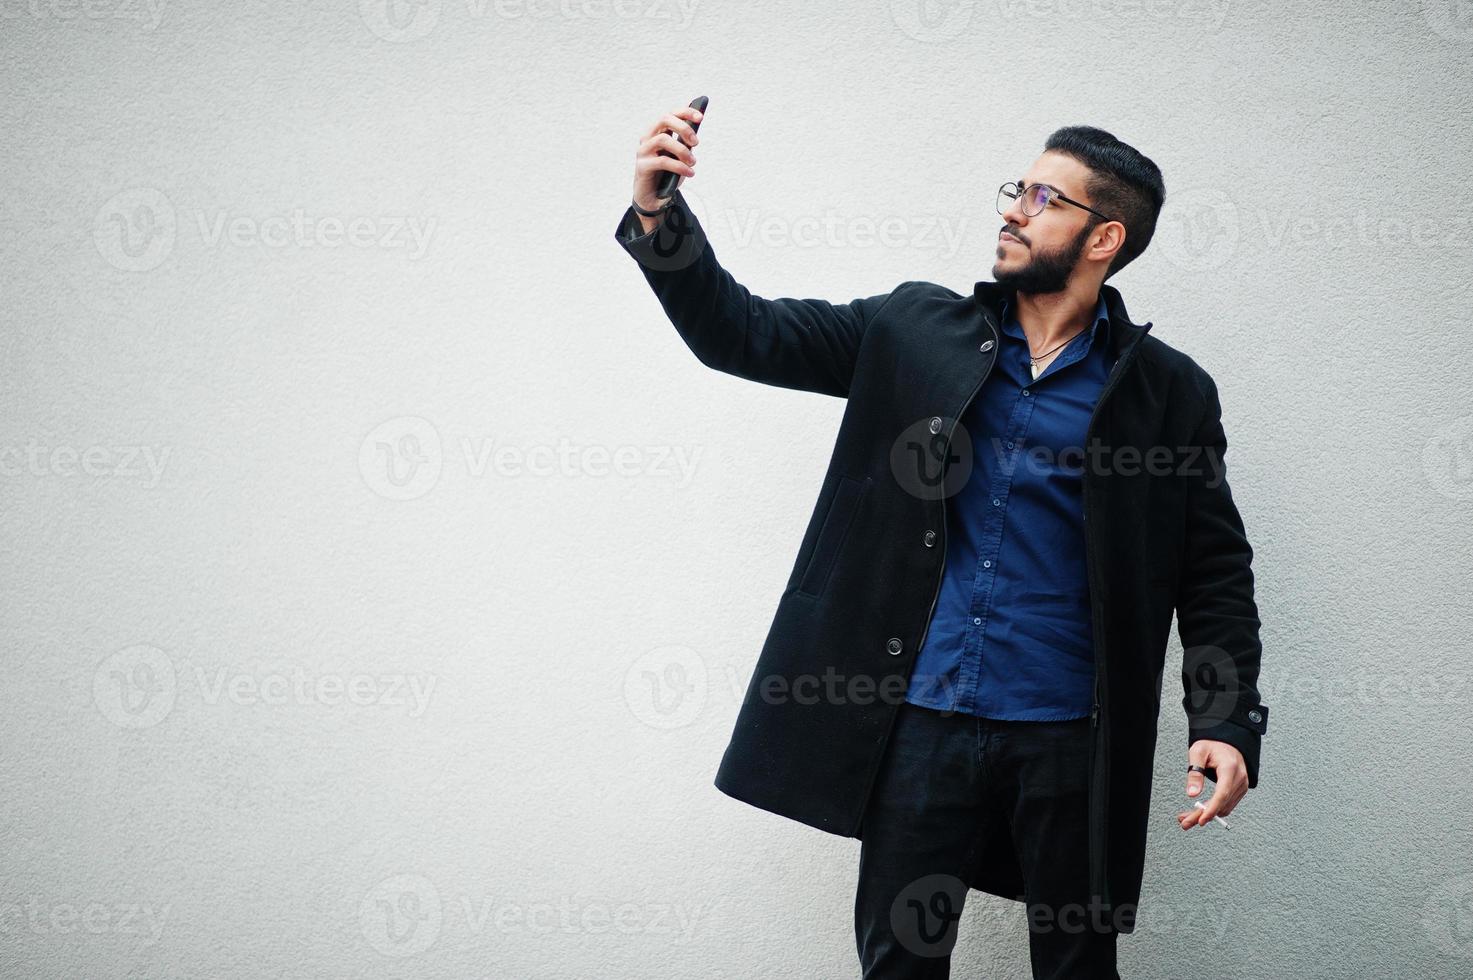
x=1011, y=637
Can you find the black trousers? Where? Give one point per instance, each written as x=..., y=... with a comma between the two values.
x=946, y=779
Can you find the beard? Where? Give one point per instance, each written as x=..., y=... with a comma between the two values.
x=1045, y=272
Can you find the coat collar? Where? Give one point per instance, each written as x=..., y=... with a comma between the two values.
x=1123, y=331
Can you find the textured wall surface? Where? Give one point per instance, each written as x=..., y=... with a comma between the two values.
x=381, y=574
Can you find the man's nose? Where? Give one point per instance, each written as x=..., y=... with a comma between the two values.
x=1014, y=215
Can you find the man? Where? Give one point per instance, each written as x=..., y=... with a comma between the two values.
x=964, y=671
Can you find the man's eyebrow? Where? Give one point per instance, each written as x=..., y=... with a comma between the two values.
x=1051, y=187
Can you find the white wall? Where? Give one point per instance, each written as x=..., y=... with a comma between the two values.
x=218, y=599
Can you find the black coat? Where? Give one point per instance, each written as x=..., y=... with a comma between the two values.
x=1162, y=534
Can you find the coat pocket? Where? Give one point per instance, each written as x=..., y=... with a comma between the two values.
x=848, y=493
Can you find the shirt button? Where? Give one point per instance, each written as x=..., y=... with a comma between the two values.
x=935, y=425
x=1025, y=392
x=1255, y=716
x=995, y=502
x=986, y=346
x=894, y=646
x=987, y=563
x=930, y=539
x=977, y=621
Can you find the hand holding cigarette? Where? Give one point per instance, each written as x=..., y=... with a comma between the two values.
x=1224, y=764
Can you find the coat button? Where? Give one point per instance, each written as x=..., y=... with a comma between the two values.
x=986, y=346
x=894, y=646
x=1255, y=716
x=935, y=425
x=930, y=539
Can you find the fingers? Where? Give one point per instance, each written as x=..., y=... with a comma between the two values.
x=1231, y=782
x=668, y=143
x=652, y=161
x=1195, y=782
x=1213, y=807
x=1199, y=754
x=1232, y=786
x=680, y=121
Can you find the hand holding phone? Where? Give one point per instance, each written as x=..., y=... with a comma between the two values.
x=670, y=180
x=664, y=158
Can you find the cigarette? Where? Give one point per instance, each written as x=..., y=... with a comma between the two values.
x=1202, y=806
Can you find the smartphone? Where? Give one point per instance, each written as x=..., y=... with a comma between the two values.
x=670, y=178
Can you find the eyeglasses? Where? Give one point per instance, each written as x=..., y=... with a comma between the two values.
x=1036, y=197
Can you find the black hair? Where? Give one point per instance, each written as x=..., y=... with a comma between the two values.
x=1123, y=183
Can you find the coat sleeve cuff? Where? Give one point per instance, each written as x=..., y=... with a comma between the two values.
x=676, y=243
x=1243, y=730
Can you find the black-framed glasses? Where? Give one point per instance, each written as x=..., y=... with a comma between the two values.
x=1035, y=198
